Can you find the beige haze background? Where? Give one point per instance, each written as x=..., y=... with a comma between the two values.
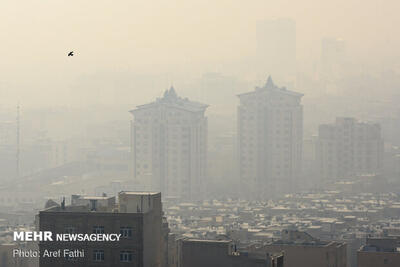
x=180, y=37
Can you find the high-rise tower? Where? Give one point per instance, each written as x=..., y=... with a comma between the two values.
x=270, y=132
x=348, y=147
x=169, y=145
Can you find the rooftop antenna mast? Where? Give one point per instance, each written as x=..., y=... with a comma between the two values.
x=18, y=143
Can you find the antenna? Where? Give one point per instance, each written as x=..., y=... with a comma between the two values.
x=18, y=143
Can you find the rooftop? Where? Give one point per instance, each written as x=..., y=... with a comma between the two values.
x=136, y=193
x=106, y=204
x=270, y=86
x=207, y=241
x=171, y=99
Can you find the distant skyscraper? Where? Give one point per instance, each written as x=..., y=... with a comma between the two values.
x=276, y=47
x=169, y=145
x=333, y=55
x=347, y=148
x=270, y=130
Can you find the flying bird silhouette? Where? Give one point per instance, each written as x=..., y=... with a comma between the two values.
x=70, y=54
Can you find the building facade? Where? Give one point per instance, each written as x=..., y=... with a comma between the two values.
x=333, y=58
x=137, y=217
x=270, y=135
x=348, y=147
x=169, y=145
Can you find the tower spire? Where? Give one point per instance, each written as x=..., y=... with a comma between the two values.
x=172, y=92
x=269, y=83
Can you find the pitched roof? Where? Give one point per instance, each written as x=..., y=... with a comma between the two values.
x=270, y=86
x=171, y=99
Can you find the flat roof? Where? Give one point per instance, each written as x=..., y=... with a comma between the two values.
x=94, y=198
x=139, y=193
x=207, y=240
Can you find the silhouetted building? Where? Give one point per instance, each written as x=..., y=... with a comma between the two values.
x=333, y=55
x=137, y=217
x=169, y=145
x=379, y=252
x=270, y=136
x=348, y=147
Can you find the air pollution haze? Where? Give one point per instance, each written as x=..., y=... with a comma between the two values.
x=218, y=133
x=172, y=40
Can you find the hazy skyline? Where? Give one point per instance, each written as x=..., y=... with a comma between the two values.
x=173, y=39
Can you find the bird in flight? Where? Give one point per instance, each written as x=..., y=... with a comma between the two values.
x=70, y=54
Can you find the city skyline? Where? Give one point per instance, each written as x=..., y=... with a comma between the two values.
x=186, y=133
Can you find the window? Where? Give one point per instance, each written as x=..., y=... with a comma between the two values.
x=126, y=256
x=70, y=230
x=98, y=229
x=98, y=255
x=126, y=232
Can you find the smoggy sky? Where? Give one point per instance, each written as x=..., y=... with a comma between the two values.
x=159, y=35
